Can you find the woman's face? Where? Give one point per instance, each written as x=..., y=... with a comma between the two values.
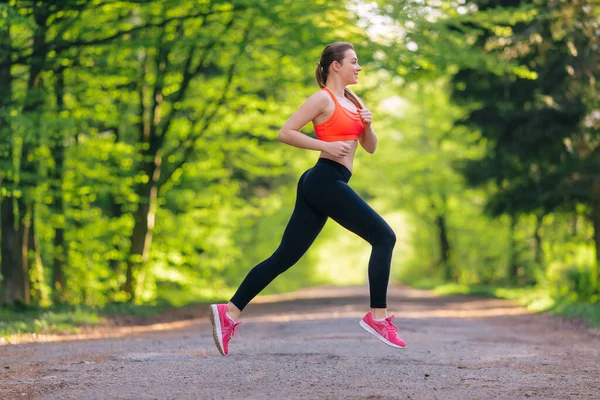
x=349, y=68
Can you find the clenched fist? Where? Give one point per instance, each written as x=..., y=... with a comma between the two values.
x=338, y=149
x=366, y=116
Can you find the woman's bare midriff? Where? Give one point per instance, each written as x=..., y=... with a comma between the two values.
x=346, y=161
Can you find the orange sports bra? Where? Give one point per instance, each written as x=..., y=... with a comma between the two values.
x=342, y=125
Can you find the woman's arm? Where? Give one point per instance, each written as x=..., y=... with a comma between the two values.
x=290, y=131
x=368, y=138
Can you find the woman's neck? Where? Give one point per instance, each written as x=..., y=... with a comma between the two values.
x=336, y=87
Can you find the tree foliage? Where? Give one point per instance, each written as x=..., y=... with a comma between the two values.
x=139, y=160
x=138, y=136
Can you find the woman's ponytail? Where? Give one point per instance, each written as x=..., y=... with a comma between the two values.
x=319, y=75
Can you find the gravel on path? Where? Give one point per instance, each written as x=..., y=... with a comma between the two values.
x=308, y=345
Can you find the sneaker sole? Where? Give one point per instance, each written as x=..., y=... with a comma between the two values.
x=378, y=336
x=217, y=333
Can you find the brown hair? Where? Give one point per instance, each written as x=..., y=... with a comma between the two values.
x=335, y=52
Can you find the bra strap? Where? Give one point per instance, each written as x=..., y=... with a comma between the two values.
x=332, y=96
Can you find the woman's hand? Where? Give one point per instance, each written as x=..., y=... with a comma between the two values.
x=338, y=149
x=366, y=116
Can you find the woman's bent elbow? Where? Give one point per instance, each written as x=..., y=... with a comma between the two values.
x=281, y=136
x=370, y=149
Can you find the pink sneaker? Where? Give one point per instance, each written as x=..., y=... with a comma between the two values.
x=383, y=330
x=223, y=327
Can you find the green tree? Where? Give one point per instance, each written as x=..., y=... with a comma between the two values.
x=138, y=123
x=541, y=154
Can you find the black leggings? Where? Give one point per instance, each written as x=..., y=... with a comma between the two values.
x=323, y=192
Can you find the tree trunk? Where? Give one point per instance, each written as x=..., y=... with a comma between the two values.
x=116, y=212
x=440, y=222
x=8, y=238
x=537, y=237
x=150, y=137
x=574, y=225
x=15, y=275
x=513, y=267
x=34, y=261
x=596, y=222
x=115, y=208
x=27, y=176
x=13, y=267
x=41, y=292
x=58, y=205
x=141, y=238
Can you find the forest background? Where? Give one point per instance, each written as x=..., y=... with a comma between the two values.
x=140, y=167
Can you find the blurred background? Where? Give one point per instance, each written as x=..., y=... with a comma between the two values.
x=139, y=161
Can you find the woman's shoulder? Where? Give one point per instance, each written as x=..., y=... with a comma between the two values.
x=320, y=94
x=319, y=98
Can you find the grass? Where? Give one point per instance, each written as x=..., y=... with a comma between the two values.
x=533, y=298
x=43, y=320
x=68, y=319
x=64, y=319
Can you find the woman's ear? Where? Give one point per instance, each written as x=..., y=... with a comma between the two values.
x=336, y=66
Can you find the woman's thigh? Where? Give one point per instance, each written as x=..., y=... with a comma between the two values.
x=303, y=226
x=340, y=202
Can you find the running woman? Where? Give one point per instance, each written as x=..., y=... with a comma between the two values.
x=341, y=122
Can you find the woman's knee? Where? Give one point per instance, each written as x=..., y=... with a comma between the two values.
x=390, y=238
x=387, y=238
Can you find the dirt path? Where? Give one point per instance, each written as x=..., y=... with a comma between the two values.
x=308, y=345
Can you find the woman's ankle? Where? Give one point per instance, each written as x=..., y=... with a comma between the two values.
x=233, y=311
x=379, y=313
